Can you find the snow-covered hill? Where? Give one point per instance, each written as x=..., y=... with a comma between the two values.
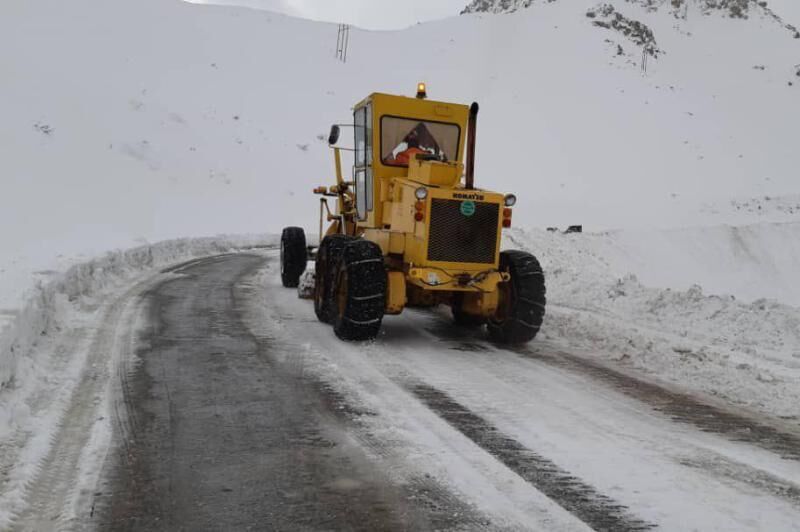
x=210, y=119
x=680, y=9
x=130, y=122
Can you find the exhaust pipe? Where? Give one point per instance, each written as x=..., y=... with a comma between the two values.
x=472, y=126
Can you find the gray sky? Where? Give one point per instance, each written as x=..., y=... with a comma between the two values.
x=372, y=14
x=379, y=14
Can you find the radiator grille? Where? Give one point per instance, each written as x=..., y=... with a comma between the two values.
x=455, y=237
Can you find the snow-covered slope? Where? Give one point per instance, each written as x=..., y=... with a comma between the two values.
x=788, y=10
x=209, y=120
x=678, y=8
x=126, y=122
x=701, y=339
x=751, y=262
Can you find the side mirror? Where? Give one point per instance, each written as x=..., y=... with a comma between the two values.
x=333, y=138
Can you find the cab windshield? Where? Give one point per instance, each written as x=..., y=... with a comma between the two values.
x=402, y=139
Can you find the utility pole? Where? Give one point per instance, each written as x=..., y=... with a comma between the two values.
x=342, y=42
x=645, y=51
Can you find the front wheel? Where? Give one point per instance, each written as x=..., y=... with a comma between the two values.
x=293, y=256
x=522, y=299
x=328, y=254
x=360, y=291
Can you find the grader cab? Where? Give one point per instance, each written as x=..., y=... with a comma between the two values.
x=411, y=228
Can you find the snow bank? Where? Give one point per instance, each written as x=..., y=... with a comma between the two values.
x=81, y=287
x=745, y=352
x=305, y=289
x=750, y=262
x=43, y=351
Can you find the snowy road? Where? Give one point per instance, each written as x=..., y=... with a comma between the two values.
x=239, y=410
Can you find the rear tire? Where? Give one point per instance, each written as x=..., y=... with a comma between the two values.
x=522, y=301
x=359, y=296
x=328, y=254
x=294, y=256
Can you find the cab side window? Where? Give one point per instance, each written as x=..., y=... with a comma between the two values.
x=363, y=160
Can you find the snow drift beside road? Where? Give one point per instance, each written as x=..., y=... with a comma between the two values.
x=746, y=352
x=750, y=262
x=45, y=347
x=82, y=288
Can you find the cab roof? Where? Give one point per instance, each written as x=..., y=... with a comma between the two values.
x=416, y=107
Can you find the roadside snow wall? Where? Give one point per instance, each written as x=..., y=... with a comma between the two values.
x=79, y=288
x=681, y=306
x=750, y=262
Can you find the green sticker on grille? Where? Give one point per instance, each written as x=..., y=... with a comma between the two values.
x=467, y=208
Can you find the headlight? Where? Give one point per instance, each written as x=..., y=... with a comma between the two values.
x=421, y=193
x=510, y=200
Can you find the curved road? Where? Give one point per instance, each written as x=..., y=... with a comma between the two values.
x=239, y=411
x=220, y=435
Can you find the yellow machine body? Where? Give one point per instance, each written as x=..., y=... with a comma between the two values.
x=444, y=243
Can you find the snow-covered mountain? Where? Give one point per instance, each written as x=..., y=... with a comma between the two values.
x=678, y=8
x=212, y=123
x=496, y=6
x=214, y=119
x=681, y=10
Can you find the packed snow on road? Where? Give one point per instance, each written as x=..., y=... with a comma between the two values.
x=154, y=373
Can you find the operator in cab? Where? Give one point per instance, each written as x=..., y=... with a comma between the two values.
x=411, y=150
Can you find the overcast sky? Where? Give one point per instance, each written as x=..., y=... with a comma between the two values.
x=372, y=14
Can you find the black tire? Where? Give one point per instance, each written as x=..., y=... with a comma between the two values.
x=359, y=294
x=328, y=254
x=461, y=318
x=522, y=301
x=294, y=256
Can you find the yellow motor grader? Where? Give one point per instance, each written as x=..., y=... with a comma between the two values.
x=411, y=229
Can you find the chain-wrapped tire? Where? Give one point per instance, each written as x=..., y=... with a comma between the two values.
x=294, y=256
x=360, y=291
x=522, y=299
x=328, y=254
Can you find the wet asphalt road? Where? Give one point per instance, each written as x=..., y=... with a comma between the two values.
x=221, y=428
x=220, y=436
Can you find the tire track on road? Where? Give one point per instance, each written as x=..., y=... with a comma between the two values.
x=581, y=500
x=678, y=406
x=466, y=367
x=442, y=508
x=56, y=489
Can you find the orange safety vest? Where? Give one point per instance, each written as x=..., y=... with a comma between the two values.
x=405, y=156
